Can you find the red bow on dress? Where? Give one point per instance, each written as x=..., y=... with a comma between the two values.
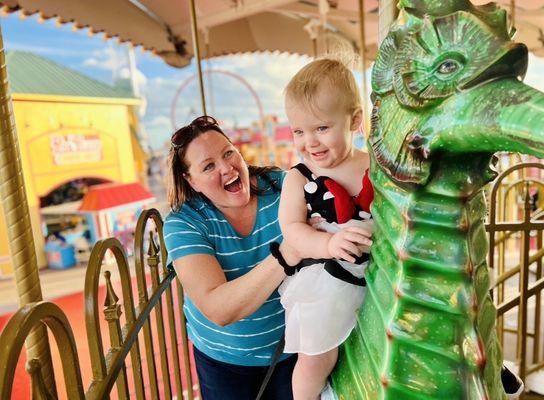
x=346, y=205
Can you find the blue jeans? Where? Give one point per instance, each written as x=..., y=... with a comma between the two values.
x=222, y=381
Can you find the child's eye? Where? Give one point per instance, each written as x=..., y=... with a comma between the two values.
x=208, y=167
x=228, y=153
x=297, y=132
x=322, y=128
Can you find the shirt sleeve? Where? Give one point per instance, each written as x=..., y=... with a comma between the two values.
x=184, y=235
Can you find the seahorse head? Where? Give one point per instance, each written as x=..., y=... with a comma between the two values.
x=448, y=79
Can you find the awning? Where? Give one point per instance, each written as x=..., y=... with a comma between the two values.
x=163, y=26
x=110, y=195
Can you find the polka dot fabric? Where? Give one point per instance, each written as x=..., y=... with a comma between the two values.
x=328, y=199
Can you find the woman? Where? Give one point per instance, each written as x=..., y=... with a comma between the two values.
x=224, y=217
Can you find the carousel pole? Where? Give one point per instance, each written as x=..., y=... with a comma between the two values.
x=362, y=51
x=387, y=13
x=196, y=48
x=312, y=28
x=513, y=12
x=209, y=68
x=21, y=241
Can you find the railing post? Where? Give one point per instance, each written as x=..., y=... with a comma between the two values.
x=112, y=312
x=142, y=302
x=524, y=284
x=153, y=262
x=185, y=343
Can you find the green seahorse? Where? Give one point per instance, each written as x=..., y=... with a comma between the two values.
x=447, y=95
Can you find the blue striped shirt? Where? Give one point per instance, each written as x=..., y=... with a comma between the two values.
x=199, y=228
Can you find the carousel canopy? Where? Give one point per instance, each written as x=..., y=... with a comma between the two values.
x=236, y=26
x=229, y=27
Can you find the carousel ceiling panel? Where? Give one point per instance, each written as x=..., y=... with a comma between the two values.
x=163, y=26
x=234, y=26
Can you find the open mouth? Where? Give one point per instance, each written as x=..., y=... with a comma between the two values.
x=234, y=185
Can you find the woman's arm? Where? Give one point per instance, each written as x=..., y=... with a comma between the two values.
x=224, y=302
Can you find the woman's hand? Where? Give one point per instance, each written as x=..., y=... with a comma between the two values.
x=349, y=242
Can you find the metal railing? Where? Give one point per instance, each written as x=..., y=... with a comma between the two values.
x=157, y=319
x=515, y=222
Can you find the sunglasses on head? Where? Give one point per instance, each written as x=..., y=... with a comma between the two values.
x=200, y=124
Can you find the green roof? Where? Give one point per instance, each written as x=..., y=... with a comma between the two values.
x=32, y=74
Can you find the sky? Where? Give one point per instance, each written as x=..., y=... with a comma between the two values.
x=106, y=60
x=229, y=100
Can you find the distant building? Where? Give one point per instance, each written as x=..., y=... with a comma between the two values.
x=73, y=131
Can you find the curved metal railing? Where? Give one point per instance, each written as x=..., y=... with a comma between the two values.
x=516, y=227
x=153, y=319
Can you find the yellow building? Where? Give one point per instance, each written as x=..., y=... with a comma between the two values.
x=70, y=128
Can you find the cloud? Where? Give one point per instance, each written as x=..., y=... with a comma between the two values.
x=107, y=58
x=141, y=79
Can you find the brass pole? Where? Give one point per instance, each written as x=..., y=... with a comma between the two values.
x=312, y=27
x=387, y=12
x=513, y=12
x=210, y=80
x=196, y=48
x=21, y=241
x=363, y=62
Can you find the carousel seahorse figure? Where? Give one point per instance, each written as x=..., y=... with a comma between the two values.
x=447, y=95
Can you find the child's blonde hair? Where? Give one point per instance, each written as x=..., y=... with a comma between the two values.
x=304, y=85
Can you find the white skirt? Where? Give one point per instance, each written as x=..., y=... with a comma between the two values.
x=320, y=310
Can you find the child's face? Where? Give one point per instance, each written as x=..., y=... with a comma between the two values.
x=322, y=134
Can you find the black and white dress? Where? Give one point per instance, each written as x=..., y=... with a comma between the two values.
x=320, y=309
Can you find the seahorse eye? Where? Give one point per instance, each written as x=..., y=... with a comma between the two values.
x=448, y=67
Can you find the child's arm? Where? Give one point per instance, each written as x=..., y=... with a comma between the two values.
x=309, y=242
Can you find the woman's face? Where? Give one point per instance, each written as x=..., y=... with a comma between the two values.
x=217, y=170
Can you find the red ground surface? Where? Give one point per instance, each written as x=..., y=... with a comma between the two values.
x=72, y=305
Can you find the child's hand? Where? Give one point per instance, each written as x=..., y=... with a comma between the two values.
x=349, y=242
x=315, y=222
x=367, y=226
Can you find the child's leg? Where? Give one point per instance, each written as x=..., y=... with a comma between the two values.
x=310, y=374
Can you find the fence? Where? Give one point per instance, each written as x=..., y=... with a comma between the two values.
x=157, y=320
x=515, y=227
